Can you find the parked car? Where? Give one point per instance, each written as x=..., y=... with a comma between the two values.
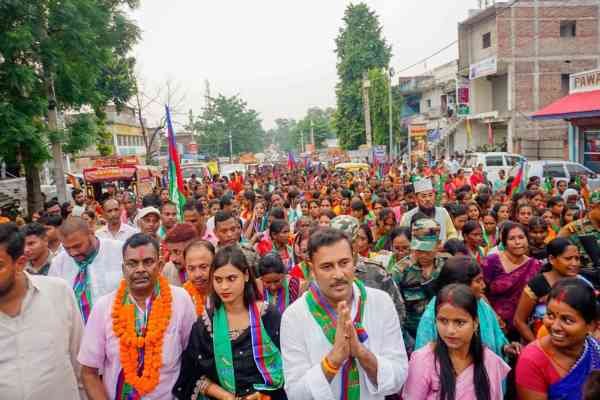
x=562, y=171
x=492, y=163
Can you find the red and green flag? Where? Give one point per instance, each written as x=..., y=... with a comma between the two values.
x=518, y=185
x=177, y=190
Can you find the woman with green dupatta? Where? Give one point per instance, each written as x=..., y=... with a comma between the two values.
x=233, y=351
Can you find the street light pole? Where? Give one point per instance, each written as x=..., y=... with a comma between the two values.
x=230, y=148
x=391, y=73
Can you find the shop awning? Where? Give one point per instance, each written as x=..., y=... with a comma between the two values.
x=576, y=105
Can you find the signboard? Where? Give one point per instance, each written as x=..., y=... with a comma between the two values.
x=486, y=67
x=463, y=98
x=379, y=153
x=192, y=148
x=106, y=174
x=585, y=81
x=417, y=130
x=116, y=161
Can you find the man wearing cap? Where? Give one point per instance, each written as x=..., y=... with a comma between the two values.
x=585, y=234
x=426, y=205
x=415, y=275
x=372, y=272
x=176, y=240
x=148, y=220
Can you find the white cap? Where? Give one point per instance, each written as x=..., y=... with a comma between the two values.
x=146, y=211
x=423, y=185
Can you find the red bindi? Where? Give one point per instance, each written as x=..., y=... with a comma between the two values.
x=561, y=296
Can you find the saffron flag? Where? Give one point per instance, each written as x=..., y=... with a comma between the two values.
x=177, y=190
x=518, y=184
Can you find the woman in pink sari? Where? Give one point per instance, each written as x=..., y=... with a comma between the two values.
x=507, y=272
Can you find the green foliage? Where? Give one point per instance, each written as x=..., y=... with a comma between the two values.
x=379, y=100
x=80, y=45
x=84, y=48
x=229, y=115
x=284, y=134
x=360, y=47
x=288, y=132
x=320, y=120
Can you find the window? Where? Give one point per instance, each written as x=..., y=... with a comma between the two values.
x=578, y=170
x=487, y=40
x=512, y=161
x=494, y=161
x=554, y=171
x=564, y=84
x=470, y=161
x=428, y=103
x=568, y=28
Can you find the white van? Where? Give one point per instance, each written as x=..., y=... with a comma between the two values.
x=562, y=171
x=492, y=163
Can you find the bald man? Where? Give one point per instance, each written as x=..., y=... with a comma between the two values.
x=114, y=229
x=90, y=265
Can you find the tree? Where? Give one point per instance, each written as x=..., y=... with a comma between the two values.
x=360, y=47
x=149, y=102
x=379, y=101
x=60, y=57
x=223, y=116
x=284, y=134
x=319, y=121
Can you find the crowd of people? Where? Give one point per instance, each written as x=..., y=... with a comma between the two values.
x=307, y=284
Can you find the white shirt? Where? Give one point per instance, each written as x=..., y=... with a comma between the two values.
x=38, y=347
x=105, y=271
x=447, y=230
x=303, y=346
x=124, y=233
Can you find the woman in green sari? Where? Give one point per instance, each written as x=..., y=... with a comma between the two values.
x=233, y=350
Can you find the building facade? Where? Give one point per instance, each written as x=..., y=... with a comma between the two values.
x=430, y=104
x=517, y=58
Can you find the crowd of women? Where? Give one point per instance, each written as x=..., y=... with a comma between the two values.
x=412, y=285
x=501, y=302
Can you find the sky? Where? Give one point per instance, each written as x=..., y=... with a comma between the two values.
x=277, y=55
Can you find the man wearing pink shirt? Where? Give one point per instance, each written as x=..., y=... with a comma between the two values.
x=100, y=347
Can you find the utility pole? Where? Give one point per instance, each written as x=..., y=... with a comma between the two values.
x=365, y=86
x=391, y=73
x=312, y=133
x=230, y=148
x=301, y=141
x=57, y=154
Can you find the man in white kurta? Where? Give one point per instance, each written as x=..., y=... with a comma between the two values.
x=101, y=258
x=381, y=358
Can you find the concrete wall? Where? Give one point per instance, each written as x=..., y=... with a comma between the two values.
x=481, y=96
x=500, y=93
x=528, y=44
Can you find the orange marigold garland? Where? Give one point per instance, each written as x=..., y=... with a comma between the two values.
x=196, y=296
x=123, y=317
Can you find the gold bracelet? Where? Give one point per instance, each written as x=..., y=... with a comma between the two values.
x=330, y=369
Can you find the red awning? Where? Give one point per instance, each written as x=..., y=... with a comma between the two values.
x=576, y=105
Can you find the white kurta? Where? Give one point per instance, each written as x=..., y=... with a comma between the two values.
x=105, y=272
x=303, y=346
